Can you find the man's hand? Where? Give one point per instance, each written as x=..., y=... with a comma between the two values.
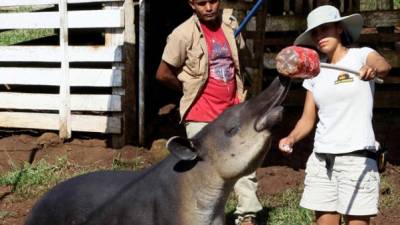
x=167, y=75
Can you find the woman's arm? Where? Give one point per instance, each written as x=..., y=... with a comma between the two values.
x=376, y=65
x=303, y=126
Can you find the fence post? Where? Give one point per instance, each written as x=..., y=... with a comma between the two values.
x=115, y=37
x=130, y=126
x=65, y=100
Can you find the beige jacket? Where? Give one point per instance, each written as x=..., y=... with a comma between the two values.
x=186, y=49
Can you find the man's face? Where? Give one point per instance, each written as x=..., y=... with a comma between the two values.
x=206, y=10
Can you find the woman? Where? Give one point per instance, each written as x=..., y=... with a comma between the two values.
x=341, y=173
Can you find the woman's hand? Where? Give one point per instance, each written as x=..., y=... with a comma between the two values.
x=367, y=73
x=286, y=145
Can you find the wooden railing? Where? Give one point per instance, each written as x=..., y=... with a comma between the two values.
x=90, y=80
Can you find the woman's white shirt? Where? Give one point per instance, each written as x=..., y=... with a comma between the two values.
x=345, y=105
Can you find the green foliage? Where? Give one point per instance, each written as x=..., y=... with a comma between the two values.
x=284, y=209
x=230, y=205
x=12, y=37
x=135, y=164
x=16, y=9
x=5, y=214
x=389, y=196
x=33, y=180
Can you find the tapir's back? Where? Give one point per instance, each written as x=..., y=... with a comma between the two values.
x=106, y=198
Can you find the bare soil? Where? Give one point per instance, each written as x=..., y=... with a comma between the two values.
x=17, y=149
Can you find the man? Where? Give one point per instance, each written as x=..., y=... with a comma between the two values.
x=201, y=60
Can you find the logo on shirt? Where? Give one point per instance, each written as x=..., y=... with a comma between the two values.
x=221, y=63
x=343, y=78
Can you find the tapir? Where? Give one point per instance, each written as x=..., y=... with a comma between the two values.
x=188, y=187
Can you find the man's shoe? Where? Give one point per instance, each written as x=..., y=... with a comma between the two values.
x=246, y=220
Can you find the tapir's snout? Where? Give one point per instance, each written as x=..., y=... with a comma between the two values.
x=266, y=106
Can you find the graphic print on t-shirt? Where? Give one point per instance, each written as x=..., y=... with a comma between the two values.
x=221, y=67
x=343, y=78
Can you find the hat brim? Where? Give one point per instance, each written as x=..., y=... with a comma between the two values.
x=352, y=24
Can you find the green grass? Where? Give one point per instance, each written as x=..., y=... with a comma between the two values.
x=230, y=205
x=135, y=164
x=6, y=214
x=16, y=9
x=12, y=37
x=284, y=209
x=32, y=180
x=389, y=196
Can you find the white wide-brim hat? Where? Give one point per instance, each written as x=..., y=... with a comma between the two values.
x=352, y=24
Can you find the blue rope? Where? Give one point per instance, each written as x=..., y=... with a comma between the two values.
x=248, y=17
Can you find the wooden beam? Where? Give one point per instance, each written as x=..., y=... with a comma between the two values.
x=64, y=101
x=298, y=23
x=53, y=54
x=257, y=76
x=285, y=23
x=102, y=124
x=77, y=19
x=52, y=77
x=7, y=3
x=115, y=37
x=242, y=5
x=386, y=18
x=78, y=102
x=48, y=121
x=130, y=78
x=379, y=38
x=288, y=40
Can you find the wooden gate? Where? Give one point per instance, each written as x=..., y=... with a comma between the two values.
x=64, y=86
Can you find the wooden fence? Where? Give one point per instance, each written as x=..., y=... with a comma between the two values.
x=65, y=87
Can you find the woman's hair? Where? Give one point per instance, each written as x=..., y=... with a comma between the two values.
x=345, y=37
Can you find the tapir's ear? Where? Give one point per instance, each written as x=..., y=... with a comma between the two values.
x=182, y=148
x=268, y=120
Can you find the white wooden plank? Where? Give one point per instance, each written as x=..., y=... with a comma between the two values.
x=114, y=36
x=109, y=103
x=47, y=121
x=29, y=120
x=51, y=77
x=53, y=54
x=64, y=101
x=29, y=101
x=102, y=124
x=6, y=3
x=111, y=18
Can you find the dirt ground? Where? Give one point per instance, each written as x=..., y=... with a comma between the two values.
x=17, y=149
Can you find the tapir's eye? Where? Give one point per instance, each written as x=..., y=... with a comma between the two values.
x=230, y=131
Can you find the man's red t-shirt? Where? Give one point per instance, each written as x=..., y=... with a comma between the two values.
x=219, y=92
